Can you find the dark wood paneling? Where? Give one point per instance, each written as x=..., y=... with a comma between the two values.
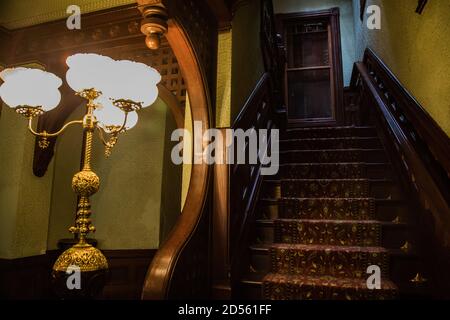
x=26, y=278
x=30, y=278
x=222, y=11
x=5, y=45
x=127, y=273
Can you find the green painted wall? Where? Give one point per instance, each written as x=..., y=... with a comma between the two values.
x=138, y=185
x=224, y=81
x=24, y=198
x=346, y=19
x=416, y=48
x=247, y=63
x=188, y=147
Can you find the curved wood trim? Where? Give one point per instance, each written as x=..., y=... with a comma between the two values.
x=173, y=104
x=157, y=283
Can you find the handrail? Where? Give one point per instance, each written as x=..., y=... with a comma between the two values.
x=436, y=139
x=236, y=192
x=381, y=93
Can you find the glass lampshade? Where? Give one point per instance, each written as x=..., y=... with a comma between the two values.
x=109, y=116
x=133, y=81
x=88, y=71
x=31, y=88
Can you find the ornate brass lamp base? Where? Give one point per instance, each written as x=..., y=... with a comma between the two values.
x=83, y=256
x=82, y=263
x=93, y=272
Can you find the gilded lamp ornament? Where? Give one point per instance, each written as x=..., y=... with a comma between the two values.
x=114, y=92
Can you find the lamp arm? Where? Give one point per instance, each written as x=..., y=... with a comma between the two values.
x=50, y=135
x=122, y=128
x=101, y=134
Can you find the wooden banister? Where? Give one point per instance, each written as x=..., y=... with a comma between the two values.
x=236, y=188
x=420, y=151
x=181, y=267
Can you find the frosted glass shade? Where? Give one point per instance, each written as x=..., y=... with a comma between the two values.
x=118, y=80
x=110, y=116
x=31, y=88
x=88, y=71
x=133, y=81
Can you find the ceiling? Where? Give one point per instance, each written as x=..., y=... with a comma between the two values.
x=15, y=14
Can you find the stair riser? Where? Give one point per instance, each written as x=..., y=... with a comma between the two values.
x=391, y=236
x=334, y=189
x=262, y=261
x=348, y=210
x=329, y=133
x=373, y=143
x=334, y=171
x=402, y=268
x=333, y=156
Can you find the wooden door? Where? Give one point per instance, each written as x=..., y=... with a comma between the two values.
x=314, y=67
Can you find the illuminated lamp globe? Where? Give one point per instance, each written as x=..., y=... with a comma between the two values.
x=138, y=83
x=110, y=117
x=30, y=88
x=89, y=71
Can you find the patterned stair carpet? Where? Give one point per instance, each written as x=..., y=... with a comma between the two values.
x=326, y=233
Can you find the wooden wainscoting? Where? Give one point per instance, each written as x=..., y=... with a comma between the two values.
x=26, y=278
x=30, y=278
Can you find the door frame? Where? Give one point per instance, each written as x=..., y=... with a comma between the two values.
x=333, y=16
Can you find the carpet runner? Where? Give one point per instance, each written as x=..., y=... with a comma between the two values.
x=325, y=233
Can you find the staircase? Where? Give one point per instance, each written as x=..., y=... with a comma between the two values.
x=334, y=209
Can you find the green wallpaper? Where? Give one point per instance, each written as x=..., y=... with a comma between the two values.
x=224, y=81
x=138, y=184
x=416, y=48
x=24, y=198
